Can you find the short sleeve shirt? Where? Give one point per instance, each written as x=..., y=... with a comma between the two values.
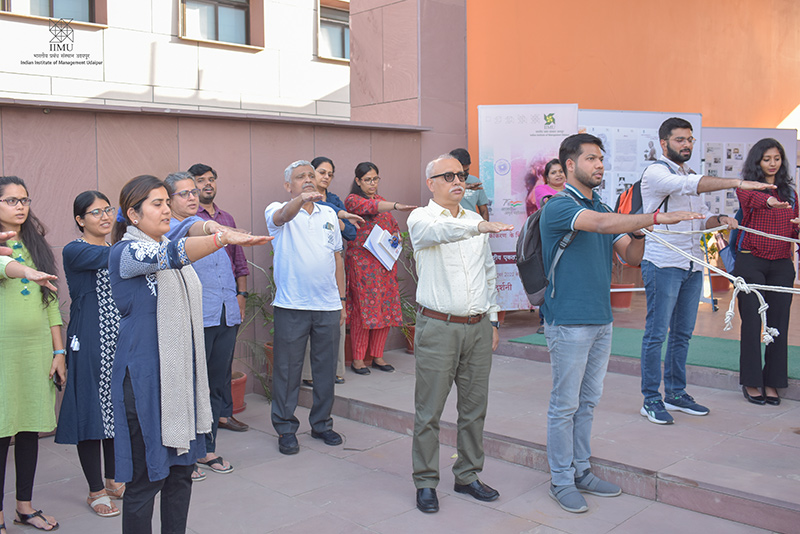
x=474, y=197
x=305, y=262
x=582, y=277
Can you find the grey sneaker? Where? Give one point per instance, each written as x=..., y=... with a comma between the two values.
x=656, y=412
x=684, y=403
x=568, y=498
x=588, y=483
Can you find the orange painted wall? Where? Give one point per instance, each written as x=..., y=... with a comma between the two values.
x=735, y=61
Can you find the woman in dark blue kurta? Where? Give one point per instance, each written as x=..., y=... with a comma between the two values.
x=86, y=418
x=159, y=391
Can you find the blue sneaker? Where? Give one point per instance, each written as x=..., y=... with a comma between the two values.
x=684, y=403
x=656, y=413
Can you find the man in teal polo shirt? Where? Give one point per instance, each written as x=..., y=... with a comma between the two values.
x=578, y=311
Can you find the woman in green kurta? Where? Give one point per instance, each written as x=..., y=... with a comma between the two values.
x=32, y=355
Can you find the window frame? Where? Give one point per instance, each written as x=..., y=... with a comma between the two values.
x=248, y=25
x=338, y=5
x=97, y=11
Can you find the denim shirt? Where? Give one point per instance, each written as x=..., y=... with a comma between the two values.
x=216, y=275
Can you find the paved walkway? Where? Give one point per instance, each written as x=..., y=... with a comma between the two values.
x=363, y=486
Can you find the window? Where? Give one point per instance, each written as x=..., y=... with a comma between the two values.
x=334, y=29
x=79, y=10
x=217, y=20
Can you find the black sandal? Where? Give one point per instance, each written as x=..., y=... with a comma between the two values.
x=24, y=520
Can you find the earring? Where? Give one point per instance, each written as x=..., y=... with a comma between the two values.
x=136, y=221
x=81, y=225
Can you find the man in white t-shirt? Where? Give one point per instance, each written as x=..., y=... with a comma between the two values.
x=310, y=289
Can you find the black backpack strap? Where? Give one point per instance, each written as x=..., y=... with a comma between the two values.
x=664, y=203
x=562, y=245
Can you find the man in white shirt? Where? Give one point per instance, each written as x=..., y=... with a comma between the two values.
x=309, y=280
x=672, y=282
x=456, y=330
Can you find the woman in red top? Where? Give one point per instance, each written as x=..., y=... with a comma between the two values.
x=767, y=261
x=373, y=299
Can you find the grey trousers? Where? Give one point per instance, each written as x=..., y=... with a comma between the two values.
x=447, y=353
x=339, y=363
x=293, y=329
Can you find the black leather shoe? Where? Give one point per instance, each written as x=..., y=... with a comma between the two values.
x=774, y=401
x=386, y=367
x=427, y=501
x=329, y=437
x=479, y=490
x=755, y=399
x=360, y=370
x=287, y=444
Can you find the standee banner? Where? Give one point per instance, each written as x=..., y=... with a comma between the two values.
x=515, y=144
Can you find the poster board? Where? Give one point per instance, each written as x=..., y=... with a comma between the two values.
x=515, y=143
x=631, y=142
x=724, y=153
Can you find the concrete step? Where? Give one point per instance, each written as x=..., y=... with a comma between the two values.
x=741, y=462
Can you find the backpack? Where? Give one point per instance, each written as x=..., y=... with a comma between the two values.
x=530, y=259
x=630, y=200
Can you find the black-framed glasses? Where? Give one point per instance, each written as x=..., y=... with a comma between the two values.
x=12, y=201
x=99, y=212
x=450, y=176
x=186, y=193
x=373, y=180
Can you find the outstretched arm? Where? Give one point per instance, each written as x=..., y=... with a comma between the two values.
x=618, y=223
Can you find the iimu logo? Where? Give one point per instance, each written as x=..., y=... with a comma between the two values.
x=549, y=120
x=62, y=32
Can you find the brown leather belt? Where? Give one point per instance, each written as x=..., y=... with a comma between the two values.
x=448, y=318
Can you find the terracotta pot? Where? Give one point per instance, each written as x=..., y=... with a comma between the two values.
x=410, y=339
x=238, y=387
x=719, y=284
x=621, y=300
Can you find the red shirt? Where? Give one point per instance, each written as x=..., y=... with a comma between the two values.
x=759, y=216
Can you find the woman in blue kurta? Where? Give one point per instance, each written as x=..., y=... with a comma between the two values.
x=159, y=386
x=86, y=418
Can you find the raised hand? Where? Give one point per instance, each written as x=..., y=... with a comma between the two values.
x=405, y=207
x=672, y=217
x=774, y=203
x=311, y=196
x=493, y=227
x=750, y=185
x=476, y=186
x=235, y=237
x=356, y=220
x=5, y=236
x=43, y=279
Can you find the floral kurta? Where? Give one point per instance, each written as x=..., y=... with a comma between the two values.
x=373, y=297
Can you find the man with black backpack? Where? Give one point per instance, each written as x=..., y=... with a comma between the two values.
x=578, y=311
x=672, y=282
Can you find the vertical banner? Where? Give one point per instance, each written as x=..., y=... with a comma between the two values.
x=516, y=142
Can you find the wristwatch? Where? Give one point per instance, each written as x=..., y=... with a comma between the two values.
x=495, y=324
x=245, y=294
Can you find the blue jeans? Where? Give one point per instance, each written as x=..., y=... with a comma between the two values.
x=672, y=298
x=578, y=358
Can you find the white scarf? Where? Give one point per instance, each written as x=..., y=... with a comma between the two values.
x=183, y=373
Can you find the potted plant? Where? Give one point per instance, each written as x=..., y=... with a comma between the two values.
x=620, y=300
x=408, y=304
x=258, y=311
x=708, y=242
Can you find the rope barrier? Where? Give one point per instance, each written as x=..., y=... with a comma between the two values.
x=739, y=284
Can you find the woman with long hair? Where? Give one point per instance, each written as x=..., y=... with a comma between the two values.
x=33, y=357
x=767, y=261
x=373, y=298
x=159, y=386
x=86, y=418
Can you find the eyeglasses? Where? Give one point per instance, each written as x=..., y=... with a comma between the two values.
x=97, y=213
x=681, y=140
x=450, y=176
x=186, y=193
x=11, y=201
x=373, y=180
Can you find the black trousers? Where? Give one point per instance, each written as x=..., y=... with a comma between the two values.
x=89, y=455
x=26, y=454
x=140, y=492
x=220, y=342
x=775, y=369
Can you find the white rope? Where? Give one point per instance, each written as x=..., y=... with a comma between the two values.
x=739, y=283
